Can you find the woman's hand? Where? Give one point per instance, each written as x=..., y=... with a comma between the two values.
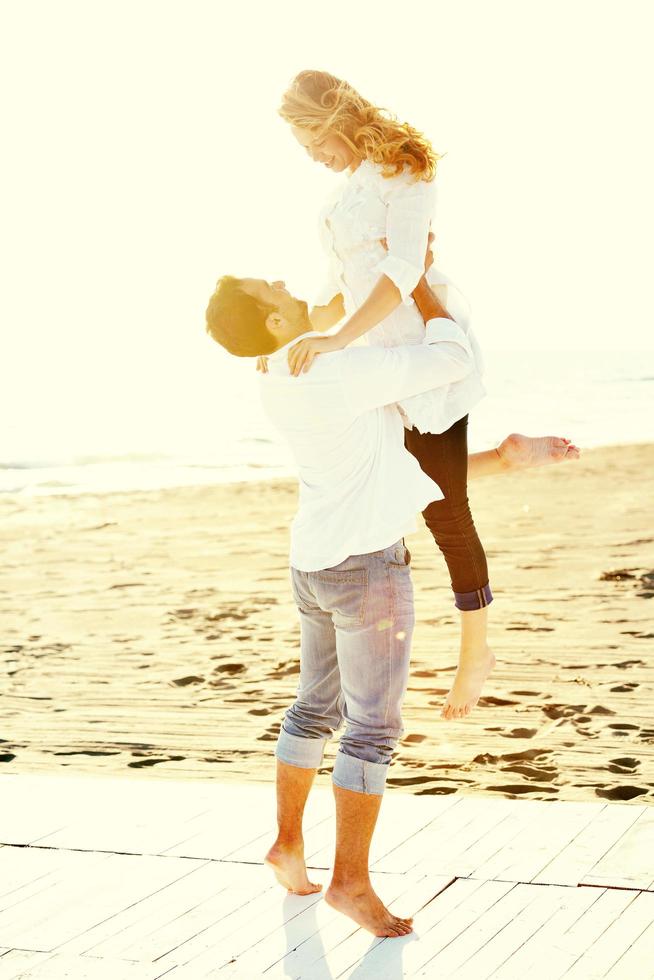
x=301, y=355
x=262, y=364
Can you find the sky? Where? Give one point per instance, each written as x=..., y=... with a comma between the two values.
x=144, y=157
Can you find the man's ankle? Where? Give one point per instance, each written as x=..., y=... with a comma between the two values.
x=290, y=840
x=350, y=879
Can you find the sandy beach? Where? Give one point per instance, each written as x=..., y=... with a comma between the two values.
x=157, y=630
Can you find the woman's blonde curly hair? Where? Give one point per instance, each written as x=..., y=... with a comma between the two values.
x=322, y=103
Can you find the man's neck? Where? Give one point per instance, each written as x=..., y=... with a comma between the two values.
x=296, y=331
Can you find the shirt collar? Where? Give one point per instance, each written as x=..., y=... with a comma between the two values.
x=281, y=352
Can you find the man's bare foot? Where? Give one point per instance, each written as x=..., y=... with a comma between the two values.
x=360, y=903
x=287, y=863
x=474, y=667
x=518, y=451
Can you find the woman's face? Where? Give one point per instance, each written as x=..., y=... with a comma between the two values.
x=330, y=150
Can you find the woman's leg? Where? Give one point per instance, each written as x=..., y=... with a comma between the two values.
x=444, y=457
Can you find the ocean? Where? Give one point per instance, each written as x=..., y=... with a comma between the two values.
x=213, y=430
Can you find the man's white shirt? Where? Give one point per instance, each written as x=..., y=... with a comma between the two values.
x=360, y=489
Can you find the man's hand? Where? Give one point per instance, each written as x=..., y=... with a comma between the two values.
x=429, y=255
x=262, y=364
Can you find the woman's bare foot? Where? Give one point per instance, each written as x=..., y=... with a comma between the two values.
x=474, y=667
x=518, y=451
x=360, y=903
x=287, y=863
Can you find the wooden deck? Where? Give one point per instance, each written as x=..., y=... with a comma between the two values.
x=139, y=879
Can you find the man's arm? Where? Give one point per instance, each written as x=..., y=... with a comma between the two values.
x=428, y=302
x=376, y=376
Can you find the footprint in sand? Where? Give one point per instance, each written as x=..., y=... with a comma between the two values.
x=437, y=791
x=153, y=762
x=531, y=629
x=534, y=764
x=624, y=687
x=520, y=733
x=230, y=668
x=191, y=679
x=521, y=788
x=625, y=764
x=270, y=734
x=618, y=575
x=646, y=585
x=621, y=792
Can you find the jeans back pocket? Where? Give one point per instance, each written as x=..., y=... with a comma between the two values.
x=342, y=593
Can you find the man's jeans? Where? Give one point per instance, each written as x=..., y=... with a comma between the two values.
x=356, y=622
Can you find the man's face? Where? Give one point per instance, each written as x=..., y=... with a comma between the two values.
x=276, y=294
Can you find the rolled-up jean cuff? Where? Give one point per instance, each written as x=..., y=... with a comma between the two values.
x=296, y=750
x=359, y=775
x=476, y=599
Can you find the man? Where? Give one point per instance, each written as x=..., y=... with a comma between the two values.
x=360, y=490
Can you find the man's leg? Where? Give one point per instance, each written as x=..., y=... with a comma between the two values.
x=371, y=597
x=308, y=724
x=286, y=856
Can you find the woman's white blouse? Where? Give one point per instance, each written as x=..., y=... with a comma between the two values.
x=364, y=208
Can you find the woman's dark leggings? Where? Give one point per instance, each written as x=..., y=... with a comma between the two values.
x=444, y=457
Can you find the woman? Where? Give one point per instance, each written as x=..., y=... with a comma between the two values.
x=375, y=230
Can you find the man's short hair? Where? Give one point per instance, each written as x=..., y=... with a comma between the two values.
x=237, y=321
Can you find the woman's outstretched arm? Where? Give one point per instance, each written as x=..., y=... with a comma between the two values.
x=408, y=217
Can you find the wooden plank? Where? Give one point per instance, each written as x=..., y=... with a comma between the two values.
x=570, y=945
x=517, y=931
x=140, y=931
x=455, y=954
x=630, y=862
x=531, y=954
x=291, y=950
x=23, y=965
x=82, y=898
x=532, y=848
x=585, y=850
x=245, y=815
x=25, y=870
x=484, y=847
x=433, y=848
x=81, y=811
x=219, y=913
x=637, y=960
x=436, y=925
x=621, y=934
x=217, y=947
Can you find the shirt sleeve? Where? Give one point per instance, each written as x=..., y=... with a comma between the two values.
x=376, y=376
x=409, y=210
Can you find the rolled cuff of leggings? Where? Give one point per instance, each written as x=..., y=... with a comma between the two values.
x=476, y=599
x=295, y=750
x=359, y=775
